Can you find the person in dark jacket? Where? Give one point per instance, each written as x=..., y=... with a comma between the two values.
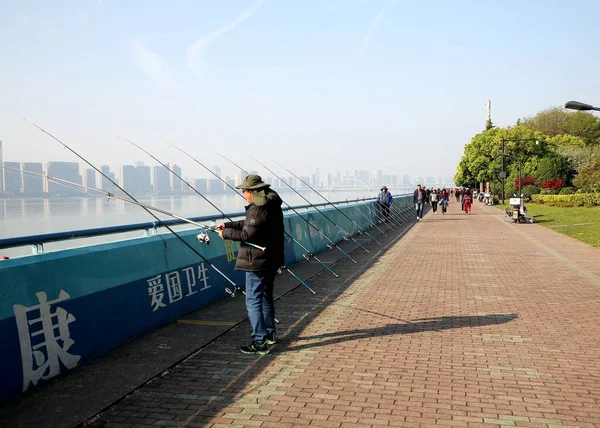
x=262, y=226
x=419, y=199
x=385, y=199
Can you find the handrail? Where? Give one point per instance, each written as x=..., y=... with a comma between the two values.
x=37, y=240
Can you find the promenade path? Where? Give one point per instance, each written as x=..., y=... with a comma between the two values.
x=464, y=321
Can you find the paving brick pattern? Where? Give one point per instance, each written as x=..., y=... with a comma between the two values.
x=466, y=321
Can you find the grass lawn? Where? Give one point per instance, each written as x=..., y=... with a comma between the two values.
x=579, y=222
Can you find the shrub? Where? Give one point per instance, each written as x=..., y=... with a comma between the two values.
x=525, y=181
x=567, y=191
x=589, y=177
x=553, y=184
x=529, y=190
x=576, y=199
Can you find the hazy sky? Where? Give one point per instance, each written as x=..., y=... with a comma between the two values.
x=348, y=84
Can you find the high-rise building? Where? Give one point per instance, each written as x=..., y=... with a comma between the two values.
x=239, y=178
x=89, y=178
x=176, y=183
x=362, y=177
x=13, y=180
x=127, y=178
x=1, y=172
x=161, y=178
x=201, y=185
x=304, y=179
x=33, y=183
x=379, y=177
x=107, y=186
x=216, y=169
x=142, y=179
x=317, y=177
x=214, y=185
x=229, y=181
x=68, y=171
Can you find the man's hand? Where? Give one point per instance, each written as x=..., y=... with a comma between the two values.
x=220, y=226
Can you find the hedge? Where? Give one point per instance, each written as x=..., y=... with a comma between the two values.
x=577, y=199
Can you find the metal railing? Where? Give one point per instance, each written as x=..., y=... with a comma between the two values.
x=150, y=228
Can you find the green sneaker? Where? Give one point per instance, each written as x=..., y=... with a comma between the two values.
x=255, y=348
x=271, y=339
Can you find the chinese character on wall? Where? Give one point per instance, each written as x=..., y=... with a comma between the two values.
x=44, y=338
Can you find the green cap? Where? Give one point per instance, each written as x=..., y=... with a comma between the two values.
x=252, y=182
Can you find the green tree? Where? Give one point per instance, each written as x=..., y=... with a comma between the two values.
x=552, y=167
x=588, y=178
x=558, y=121
x=550, y=122
x=483, y=155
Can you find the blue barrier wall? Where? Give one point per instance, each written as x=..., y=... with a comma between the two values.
x=63, y=309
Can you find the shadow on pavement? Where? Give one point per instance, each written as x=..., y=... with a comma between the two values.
x=409, y=327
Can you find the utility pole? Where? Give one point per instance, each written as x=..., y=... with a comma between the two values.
x=503, y=173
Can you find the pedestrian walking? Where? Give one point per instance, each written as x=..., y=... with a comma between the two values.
x=385, y=200
x=419, y=198
x=444, y=200
x=263, y=225
x=467, y=201
x=433, y=198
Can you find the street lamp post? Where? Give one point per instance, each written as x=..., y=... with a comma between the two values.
x=503, y=173
x=576, y=105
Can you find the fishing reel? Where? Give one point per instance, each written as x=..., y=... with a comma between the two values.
x=330, y=246
x=346, y=237
x=203, y=238
x=306, y=257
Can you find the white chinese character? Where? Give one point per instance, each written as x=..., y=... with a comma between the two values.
x=174, y=286
x=202, y=276
x=42, y=347
x=191, y=280
x=156, y=291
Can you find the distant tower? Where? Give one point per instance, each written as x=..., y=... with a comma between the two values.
x=488, y=121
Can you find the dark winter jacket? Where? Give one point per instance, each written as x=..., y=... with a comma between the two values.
x=262, y=226
x=388, y=198
x=416, y=196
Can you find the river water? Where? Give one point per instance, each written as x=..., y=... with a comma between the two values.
x=32, y=216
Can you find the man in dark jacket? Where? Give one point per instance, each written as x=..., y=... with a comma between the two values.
x=263, y=226
x=385, y=199
x=419, y=198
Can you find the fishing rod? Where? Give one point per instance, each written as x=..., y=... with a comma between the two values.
x=346, y=235
x=375, y=212
x=341, y=212
x=227, y=290
x=304, y=256
x=397, y=217
x=191, y=187
x=202, y=237
x=394, y=217
x=331, y=243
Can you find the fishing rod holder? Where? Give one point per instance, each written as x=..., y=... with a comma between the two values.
x=153, y=231
x=37, y=249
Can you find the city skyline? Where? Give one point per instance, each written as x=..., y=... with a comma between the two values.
x=140, y=178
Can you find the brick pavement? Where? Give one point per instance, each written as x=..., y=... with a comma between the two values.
x=465, y=321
